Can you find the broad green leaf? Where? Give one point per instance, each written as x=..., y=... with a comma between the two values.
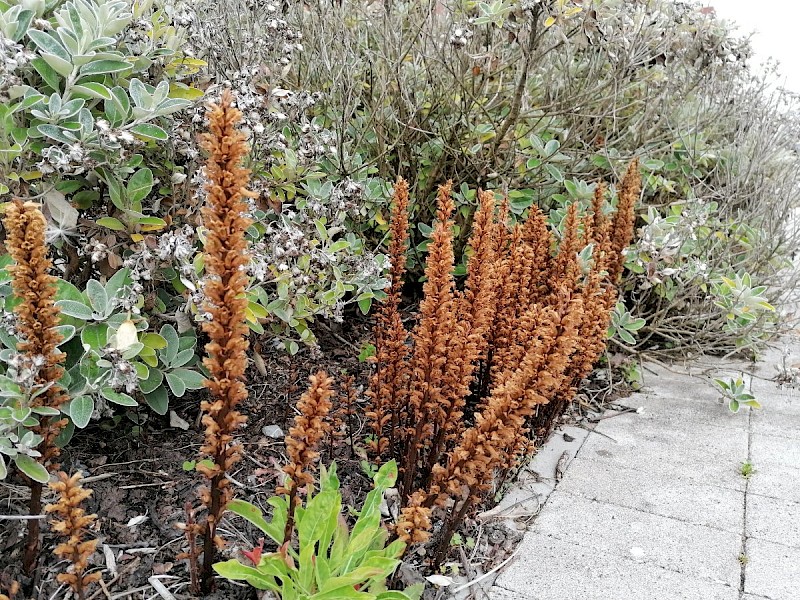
x=75, y=309
x=80, y=410
x=233, y=569
x=169, y=353
x=192, y=380
x=182, y=358
x=60, y=66
x=149, y=131
x=91, y=89
x=67, y=332
x=3, y=468
x=31, y=468
x=111, y=223
x=181, y=90
x=342, y=593
x=153, y=340
x=316, y=521
x=47, y=72
x=154, y=379
x=95, y=335
x=96, y=292
x=49, y=44
x=140, y=185
x=158, y=399
x=253, y=514
x=99, y=67
x=176, y=384
x=118, y=397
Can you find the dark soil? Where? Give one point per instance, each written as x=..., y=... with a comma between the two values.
x=141, y=484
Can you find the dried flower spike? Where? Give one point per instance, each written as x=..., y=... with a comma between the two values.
x=37, y=319
x=309, y=428
x=73, y=523
x=225, y=259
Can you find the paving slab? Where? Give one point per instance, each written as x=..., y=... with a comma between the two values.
x=772, y=570
x=657, y=493
x=684, y=412
x=773, y=449
x=701, y=453
x=775, y=480
x=773, y=520
x=654, y=504
x=564, y=571
x=776, y=422
x=538, y=479
x=662, y=541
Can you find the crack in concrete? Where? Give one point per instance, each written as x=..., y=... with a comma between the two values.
x=743, y=555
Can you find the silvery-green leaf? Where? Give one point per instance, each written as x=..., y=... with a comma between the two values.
x=80, y=410
x=139, y=94
x=31, y=468
x=75, y=309
x=49, y=44
x=60, y=66
x=98, y=298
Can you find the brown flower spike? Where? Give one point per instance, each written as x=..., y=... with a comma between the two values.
x=37, y=319
x=310, y=426
x=73, y=523
x=226, y=282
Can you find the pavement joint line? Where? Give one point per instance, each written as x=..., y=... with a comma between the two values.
x=743, y=555
x=780, y=499
x=647, y=512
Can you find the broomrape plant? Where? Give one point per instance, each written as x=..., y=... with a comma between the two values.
x=489, y=363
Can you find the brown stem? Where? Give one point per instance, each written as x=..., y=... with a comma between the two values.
x=287, y=531
x=207, y=573
x=31, y=554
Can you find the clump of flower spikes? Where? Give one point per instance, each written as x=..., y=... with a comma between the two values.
x=455, y=406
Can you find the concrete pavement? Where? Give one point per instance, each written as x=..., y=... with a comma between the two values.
x=654, y=504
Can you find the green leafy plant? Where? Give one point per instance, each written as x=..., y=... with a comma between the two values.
x=331, y=561
x=18, y=419
x=735, y=393
x=624, y=325
x=747, y=469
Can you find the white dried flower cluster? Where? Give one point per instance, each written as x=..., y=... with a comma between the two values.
x=253, y=29
x=13, y=56
x=293, y=254
x=122, y=372
x=137, y=36
x=268, y=117
x=176, y=246
x=460, y=35
x=96, y=250
x=69, y=160
x=24, y=369
x=114, y=136
x=8, y=321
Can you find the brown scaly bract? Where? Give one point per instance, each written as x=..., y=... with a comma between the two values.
x=388, y=390
x=73, y=523
x=226, y=282
x=433, y=337
x=37, y=315
x=310, y=426
x=624, y=219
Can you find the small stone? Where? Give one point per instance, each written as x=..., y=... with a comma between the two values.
x=272, y=431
